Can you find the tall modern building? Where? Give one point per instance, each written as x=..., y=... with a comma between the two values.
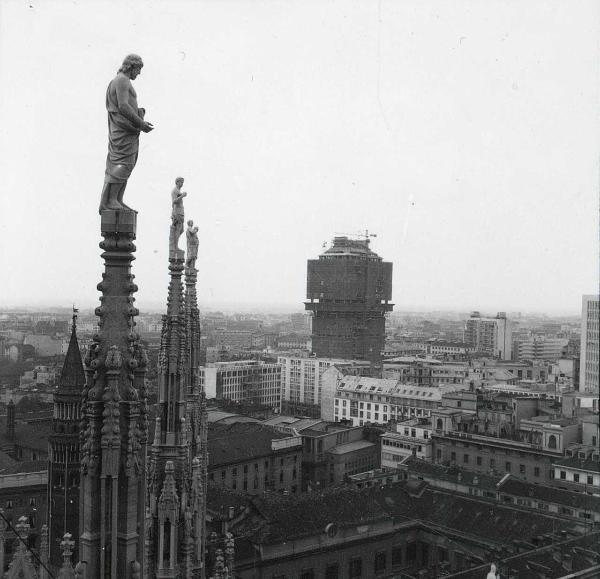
x=63, y=456
x=349, y=289
x=589, y=380
x=490, y=335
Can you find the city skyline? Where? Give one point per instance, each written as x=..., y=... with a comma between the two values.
x=465, y=138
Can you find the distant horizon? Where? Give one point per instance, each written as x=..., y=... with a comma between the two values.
x=284, y=308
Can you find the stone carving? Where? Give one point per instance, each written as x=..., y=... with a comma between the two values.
x=492, y=574
x=125, y=122
x=177, y=215
x=192, y=245
x=136, y=570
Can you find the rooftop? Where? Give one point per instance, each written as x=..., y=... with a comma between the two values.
x=516, y=487
x=394, y=387
x=587, y=465
x=239, y=442
x=351, y=447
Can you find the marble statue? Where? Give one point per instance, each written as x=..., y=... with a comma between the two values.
x=177, y=215
x=192, y=245
x=492, y=574
x=125, y=122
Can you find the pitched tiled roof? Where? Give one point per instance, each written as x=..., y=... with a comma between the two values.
x=26, y=466
x=278, y=518
x=516, y=487
x=548, y=562
x=574, y=462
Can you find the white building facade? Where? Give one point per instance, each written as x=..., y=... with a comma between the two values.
x=301, y=378
x=363, y=400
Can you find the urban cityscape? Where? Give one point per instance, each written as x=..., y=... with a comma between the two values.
x=149, y=431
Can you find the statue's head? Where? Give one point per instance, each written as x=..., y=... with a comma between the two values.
x=179, y=181
x=132, y=65
x=190, y=223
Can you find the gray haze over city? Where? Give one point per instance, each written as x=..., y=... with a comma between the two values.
x=465, y=135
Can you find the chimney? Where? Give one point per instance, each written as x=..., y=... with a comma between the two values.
x=10, y=420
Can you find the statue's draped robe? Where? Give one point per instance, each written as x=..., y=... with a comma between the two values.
x=123, y=134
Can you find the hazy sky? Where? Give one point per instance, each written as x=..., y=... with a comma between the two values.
x=465, y=134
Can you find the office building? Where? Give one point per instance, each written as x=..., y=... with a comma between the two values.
x=244, y=381
x=589, y=379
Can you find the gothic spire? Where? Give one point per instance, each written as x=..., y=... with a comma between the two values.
x=72, y=377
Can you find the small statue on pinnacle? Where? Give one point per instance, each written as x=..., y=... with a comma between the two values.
x=192, y=245
x=177, y=217
x=125, y=122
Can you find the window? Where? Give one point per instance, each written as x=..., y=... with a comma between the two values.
x=522, y=468
x=396, y=555
x=479, y=461
x=332, y=571
x=536, y=471
x=307, y=574
x=563, y=474
x=245, y=469
x=492, y=463
x=380, y=562
x=466, y=459
x=552, y=441
x=355, y=568
x=452, y=456
x=507, y=466
x=590, y=480
x=245, y=485
x=411, y=553
x=575, y=477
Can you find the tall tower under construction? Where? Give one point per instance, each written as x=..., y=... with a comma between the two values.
x=349, y=288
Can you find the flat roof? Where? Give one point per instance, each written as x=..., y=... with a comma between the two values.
x=351, y=447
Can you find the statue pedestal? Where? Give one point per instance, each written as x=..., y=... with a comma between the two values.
x=176, y=255
x=118, y=221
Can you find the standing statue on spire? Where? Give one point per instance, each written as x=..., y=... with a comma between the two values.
x=192, y=245
x=125, y=122
x=177, y=216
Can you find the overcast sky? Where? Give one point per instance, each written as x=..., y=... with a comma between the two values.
x=465, y=134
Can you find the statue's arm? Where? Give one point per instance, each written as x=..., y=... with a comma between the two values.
x=122, y=88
